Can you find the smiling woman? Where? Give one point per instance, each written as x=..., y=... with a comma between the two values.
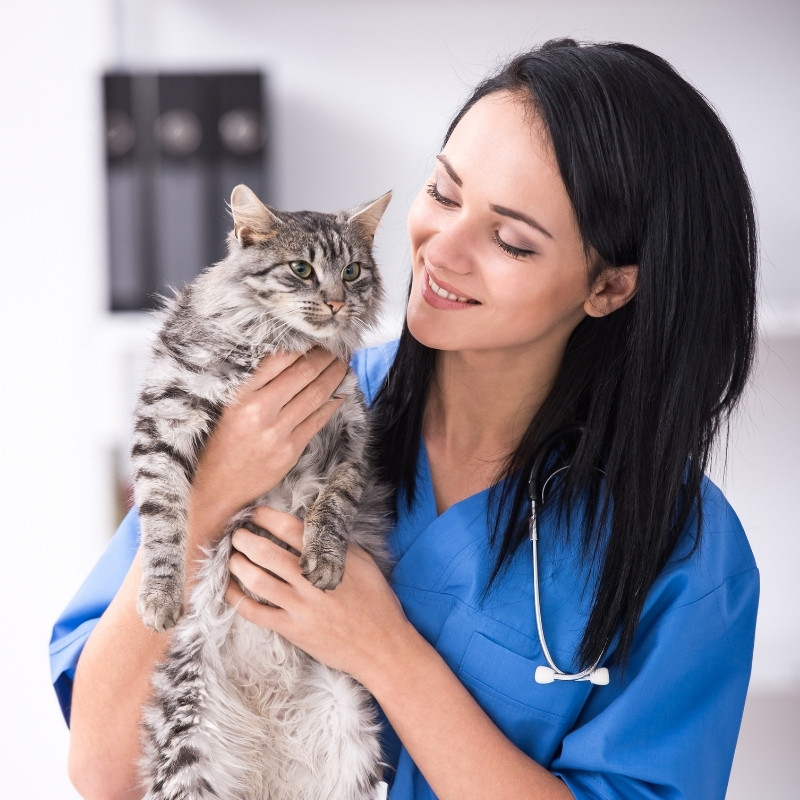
x=583, y=255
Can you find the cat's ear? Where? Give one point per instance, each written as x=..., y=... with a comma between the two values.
x=252, y=220
x=368, y=216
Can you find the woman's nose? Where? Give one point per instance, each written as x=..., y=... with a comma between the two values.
x=451, y=247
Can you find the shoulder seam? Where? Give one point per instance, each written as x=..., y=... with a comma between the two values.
x=713, y=591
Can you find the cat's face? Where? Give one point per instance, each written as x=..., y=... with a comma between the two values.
x=312, y=272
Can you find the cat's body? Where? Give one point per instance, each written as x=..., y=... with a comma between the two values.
x=237, y=712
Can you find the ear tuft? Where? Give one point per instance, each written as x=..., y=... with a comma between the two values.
x=252, y=220
x=367, y=216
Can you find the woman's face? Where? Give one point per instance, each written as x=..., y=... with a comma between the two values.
x=498, y=262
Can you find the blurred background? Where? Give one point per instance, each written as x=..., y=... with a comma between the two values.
x=147, y=112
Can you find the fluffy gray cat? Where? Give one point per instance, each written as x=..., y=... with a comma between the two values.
x=237, y=712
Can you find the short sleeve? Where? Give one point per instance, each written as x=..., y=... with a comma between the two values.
x=667, y=728
x=79, y=618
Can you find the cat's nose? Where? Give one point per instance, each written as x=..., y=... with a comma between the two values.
x=334, y=305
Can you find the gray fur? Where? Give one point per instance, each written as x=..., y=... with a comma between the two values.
x=237, y=712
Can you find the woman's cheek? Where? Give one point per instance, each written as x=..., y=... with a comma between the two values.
x=418, y=222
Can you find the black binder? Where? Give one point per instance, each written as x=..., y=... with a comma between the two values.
x=176, y=145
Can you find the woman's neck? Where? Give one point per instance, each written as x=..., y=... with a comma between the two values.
x=480, y=401
x=479, y=406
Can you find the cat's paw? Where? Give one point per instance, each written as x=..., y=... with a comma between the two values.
x=159, y=609
x=323, y=567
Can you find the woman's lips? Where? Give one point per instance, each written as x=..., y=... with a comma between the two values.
x=441, y=296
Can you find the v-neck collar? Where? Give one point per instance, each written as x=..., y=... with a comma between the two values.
x=463, y=524
x=425, y=481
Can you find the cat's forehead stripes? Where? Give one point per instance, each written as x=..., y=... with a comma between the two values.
x=320, y=239
x=334, y=249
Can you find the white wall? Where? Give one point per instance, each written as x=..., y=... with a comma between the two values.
x=762, y=482
x=361, y=93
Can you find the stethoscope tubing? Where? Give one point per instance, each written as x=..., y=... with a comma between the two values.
x=536, y=490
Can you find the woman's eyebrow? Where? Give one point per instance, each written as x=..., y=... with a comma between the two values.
x=449, y=169
x=509, y=212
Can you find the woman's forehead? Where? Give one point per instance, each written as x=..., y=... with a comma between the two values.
x=504, y=111
x=501, y=149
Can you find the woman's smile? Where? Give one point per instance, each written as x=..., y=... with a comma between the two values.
x=444, y=296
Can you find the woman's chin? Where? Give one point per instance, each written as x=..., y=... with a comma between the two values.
x=429, y=331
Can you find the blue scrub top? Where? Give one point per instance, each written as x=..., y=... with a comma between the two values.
x=666, y=727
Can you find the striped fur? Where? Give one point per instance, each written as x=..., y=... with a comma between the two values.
x=237, y=712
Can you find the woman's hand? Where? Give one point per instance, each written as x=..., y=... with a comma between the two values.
x=350, y=628
x=261, y=434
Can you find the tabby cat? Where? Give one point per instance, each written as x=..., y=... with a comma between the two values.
x=237, y=712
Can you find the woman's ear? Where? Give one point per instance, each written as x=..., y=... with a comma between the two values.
x=611, y=290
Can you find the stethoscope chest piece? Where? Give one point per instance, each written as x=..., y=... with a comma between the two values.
x=597, y=676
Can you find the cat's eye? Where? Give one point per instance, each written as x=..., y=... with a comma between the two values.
x=301, y=268
x=351, y=271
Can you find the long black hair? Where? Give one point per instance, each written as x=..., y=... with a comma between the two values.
x=655, y=181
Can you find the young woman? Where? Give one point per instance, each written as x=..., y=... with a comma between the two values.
x=583, y=259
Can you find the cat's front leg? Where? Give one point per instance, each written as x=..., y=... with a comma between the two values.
x=327, y=527
x=164, y=460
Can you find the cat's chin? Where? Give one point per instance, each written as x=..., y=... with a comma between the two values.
x=341, y=340
x=330, y=329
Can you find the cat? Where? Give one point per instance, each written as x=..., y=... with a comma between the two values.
x=237, y=712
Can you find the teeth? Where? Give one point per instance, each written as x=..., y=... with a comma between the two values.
x=443, y=293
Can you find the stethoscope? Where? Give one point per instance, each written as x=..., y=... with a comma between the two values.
x=536, y=492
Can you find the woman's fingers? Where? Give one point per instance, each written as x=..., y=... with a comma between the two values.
x=251, y=610
x=281, y=525
x=310, y=397
x=270, y=367
x=263, y=554
x=306, y=370
x=300, y=394
x=259, y=580
x=343, y=628
x=265, y=568
x=280, y=377
x=314, y=396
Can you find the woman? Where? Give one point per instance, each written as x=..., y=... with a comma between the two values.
x=584, y=253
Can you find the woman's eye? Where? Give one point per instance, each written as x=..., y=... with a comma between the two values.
x=433, y=191
x=514, y=252
x=301, y=268
x=351, y=271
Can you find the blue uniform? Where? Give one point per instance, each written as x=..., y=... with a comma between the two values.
x=666, y=727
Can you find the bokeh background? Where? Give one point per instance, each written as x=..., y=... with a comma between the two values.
x=357, y=96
